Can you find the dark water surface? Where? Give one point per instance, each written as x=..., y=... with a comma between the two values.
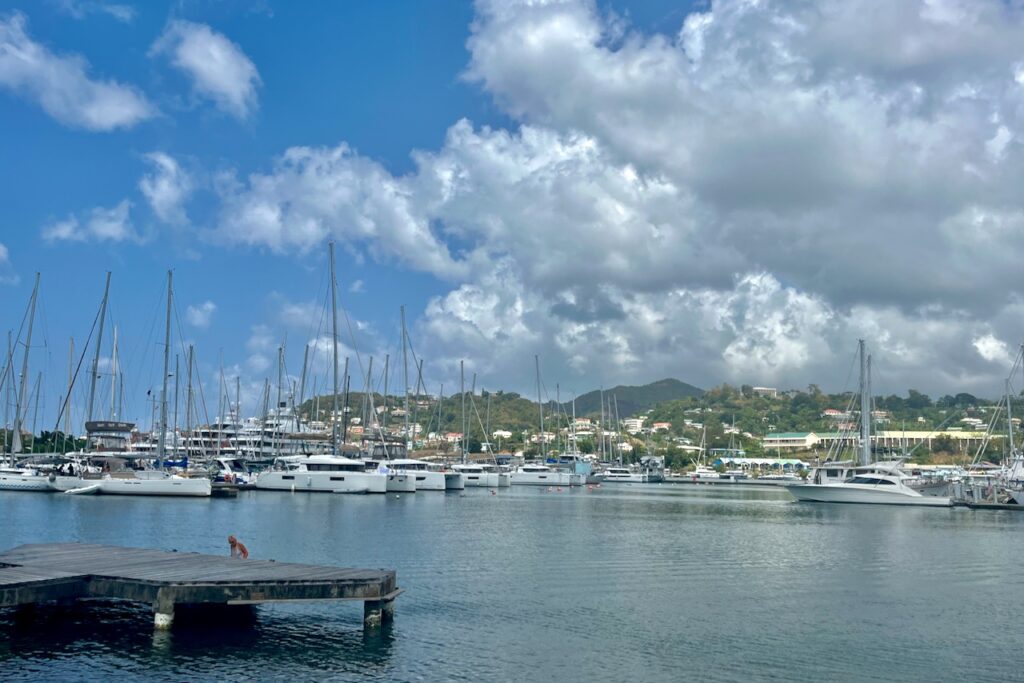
x=628, y=583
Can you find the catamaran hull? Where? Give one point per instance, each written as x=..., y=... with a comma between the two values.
x=825, y=493
x=401, y=483
x=454, y=481
x=323, y=482
x=427, y=481
x=551, y=478
x=623, y=479
x=491, y=480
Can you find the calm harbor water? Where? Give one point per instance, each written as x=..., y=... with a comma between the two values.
x=622, y=583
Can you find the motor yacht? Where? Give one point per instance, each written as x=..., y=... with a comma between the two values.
x=881, y=483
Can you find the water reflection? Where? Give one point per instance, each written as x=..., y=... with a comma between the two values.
x=618, y=583
x=212, y=641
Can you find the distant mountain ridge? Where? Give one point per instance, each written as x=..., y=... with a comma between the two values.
x=633, y=400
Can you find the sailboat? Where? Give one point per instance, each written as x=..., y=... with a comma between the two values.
x=128, y=482
x=539, y=474
x=330, y=473
x=879, y=483
x=15, y=477
x=483, y=474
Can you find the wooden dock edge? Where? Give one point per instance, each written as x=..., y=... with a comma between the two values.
x=54, y=576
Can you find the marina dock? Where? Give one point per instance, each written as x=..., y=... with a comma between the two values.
x=30, y=574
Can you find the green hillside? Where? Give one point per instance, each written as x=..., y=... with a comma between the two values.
x=633, y=400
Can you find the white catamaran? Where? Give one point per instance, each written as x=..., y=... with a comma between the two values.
x=331, y=473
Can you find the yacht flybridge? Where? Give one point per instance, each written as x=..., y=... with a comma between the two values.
x=880, y=483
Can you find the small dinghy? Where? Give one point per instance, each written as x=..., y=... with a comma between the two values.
x=84, y=490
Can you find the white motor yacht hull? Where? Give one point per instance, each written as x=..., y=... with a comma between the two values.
x=322, y=482
x=844, y=493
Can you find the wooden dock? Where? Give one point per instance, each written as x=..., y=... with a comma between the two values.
x=31, y=574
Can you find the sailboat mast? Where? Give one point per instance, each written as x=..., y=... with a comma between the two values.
x=540, y=407
x=8, y=386
x=280, y=380
x=161, y=444
x=405, y=380
x=387, y=372
x=462, y=392
x=188, y=393
x=1009, y=418
x=221, y=391
x=558, y=416
x=302, y=379
x=16, y=442
x=177, y=385
x=345, y=409
x=96, y=358
x=865, y=407
x=334, y=352
x=113, y=378
x=71, y=380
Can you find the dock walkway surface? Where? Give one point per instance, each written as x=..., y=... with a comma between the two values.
x=36, y=573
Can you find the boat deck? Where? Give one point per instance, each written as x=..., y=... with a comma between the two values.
x=41, y=572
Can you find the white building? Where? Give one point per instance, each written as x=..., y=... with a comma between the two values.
x=633, y=425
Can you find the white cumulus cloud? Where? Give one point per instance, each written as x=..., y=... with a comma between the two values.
x=80, y=9
x=62, y=86
x=166, y=187
x=7, y=274
x=200, y=315
x=218, y=68
x=98, y=225
x=740, y=199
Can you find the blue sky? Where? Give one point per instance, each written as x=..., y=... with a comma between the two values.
x=632, y=190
